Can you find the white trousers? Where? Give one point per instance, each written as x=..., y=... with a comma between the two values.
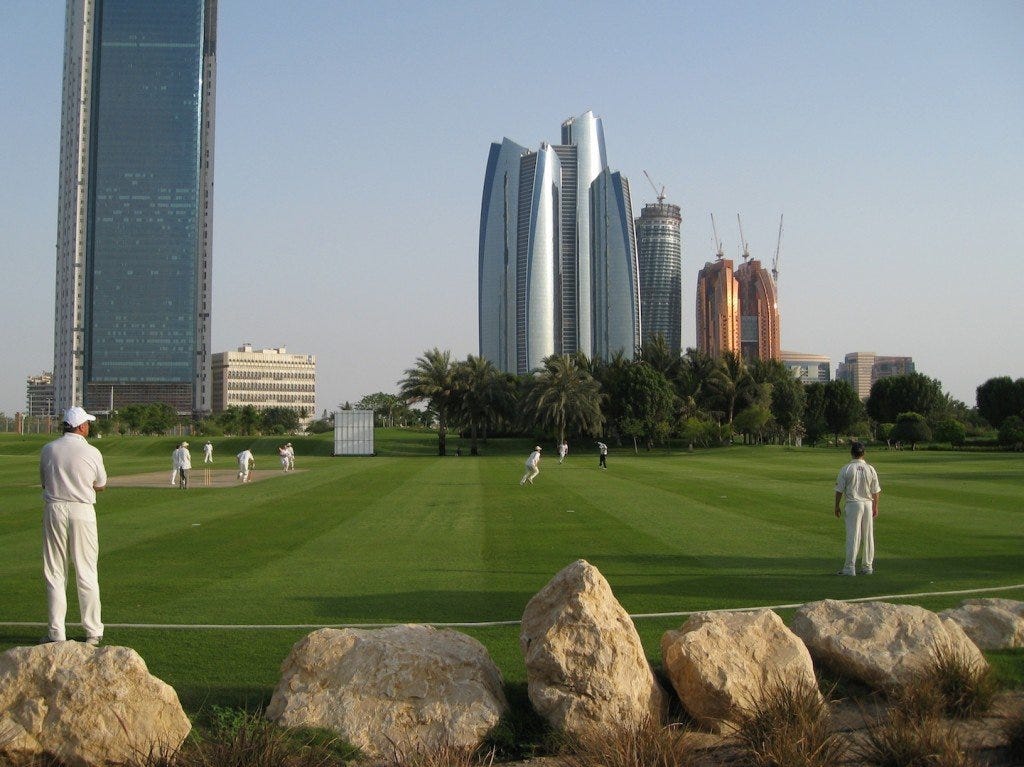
x=531, y=472
x=69, y=533
x=860, y=529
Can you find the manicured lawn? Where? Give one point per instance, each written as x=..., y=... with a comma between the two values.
x=410, y=537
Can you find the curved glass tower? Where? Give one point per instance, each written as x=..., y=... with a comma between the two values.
x=659, y=255
x=132, y=321
x=538, y=254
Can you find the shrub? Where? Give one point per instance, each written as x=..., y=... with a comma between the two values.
x=788, y=726
x=904, y=739
x=952, y=684
x=649, y=745
x=1013, y=730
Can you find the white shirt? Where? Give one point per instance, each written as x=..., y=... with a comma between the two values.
x=244, y=457
x=182, y=458
x=70, y=470
x=534, y=459
x=858, y=481
x=207, y=450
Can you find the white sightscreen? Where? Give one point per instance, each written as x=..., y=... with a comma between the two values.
x=353, y=432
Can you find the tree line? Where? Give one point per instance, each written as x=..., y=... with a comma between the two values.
x=658, y=395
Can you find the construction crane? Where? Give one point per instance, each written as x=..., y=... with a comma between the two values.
x=743, y=240
x=660, y=195
x=718, y=243
x=778, y=247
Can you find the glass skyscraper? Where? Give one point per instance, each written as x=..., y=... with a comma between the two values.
x=557, y=259
x=659, y=255
x=135, y=205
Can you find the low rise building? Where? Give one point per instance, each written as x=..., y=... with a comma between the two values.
x=808, y=368
x=265, y=378
x=39, y=395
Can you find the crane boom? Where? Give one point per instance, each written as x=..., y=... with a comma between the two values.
x=660, y=195
x=718, y=243
x=778, y=248
x=743, y=240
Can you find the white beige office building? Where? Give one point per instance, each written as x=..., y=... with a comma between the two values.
x=264, y=378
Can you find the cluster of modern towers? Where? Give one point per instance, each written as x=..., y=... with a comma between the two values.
x=565, y=268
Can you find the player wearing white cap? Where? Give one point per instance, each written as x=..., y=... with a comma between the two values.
x=72, y=472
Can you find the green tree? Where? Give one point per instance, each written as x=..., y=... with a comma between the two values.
x=999, y=398
x=388, y=409
x=751, y=421
x=483, y=396
x=432, y=380
x=914, y=393
x=657, y=354
x=911, y=428
x=787, y=405
x=843, y=407
x=1011, y=432
x=279, y=420
x=646, y=403
x=730, y=384
x=814, y=422
x=952, y=431
x=563, y=398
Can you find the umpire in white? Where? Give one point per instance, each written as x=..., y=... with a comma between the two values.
x=858, y=483
x=72, y=472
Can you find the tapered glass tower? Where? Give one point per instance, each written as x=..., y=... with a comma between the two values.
x=135, y=205
x=557, y=260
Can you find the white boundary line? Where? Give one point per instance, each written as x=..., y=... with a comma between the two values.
x=490, y=624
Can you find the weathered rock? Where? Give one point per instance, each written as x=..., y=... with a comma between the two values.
x=720, y=663
x=391, y=691
x=585, y=665
x=880, y=644
x=992, y=624
x=86, y=705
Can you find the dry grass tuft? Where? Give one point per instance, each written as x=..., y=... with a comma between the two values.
x=951, y=685
x=442, y=756
x=904, y=739
x=789, y=726
x=1013, y=731
x=648, y=745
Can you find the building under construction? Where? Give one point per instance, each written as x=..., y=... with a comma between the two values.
x=738, y=309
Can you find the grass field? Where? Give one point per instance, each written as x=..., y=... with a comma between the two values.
x=410, y=537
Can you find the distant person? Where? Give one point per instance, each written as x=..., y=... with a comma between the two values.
x=282, y=454
x=563, y=450
x=858, y=483
x=602, y=455
x=532, y=466
x=208, y=452
x=291, y=456
x=71, y=472
x=174, y=465
x=182, y=460
x=246, y=462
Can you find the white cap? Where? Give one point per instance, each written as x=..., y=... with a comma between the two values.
x=76, y=416
x=536, y=447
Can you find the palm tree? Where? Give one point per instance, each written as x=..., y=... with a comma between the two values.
x=484, y=395
x=563, y=397
x=432, y=380
x=731, y=382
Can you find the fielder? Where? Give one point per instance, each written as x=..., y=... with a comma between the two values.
x=532, y=466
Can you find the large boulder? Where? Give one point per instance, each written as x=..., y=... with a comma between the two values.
x=881, y=644
x=992, y=624
x=585, y=666
x=721, y=662
x=392, y=691
x=86, y=706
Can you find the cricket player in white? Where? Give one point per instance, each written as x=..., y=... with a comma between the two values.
x=245, y=461
x=532, y=466
x=208, y=453
x=563, y=450
x=72, y=472
x=858, y=482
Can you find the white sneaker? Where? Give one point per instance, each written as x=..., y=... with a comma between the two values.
x=93, y=641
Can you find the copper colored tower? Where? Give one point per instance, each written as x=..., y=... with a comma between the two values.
x=759, y=312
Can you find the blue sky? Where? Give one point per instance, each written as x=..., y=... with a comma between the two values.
x=352, y=139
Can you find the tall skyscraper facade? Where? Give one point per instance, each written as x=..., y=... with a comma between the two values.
x=759, y=312
x=135, y=199
x=718, y=330
x=737, y=310
x=557, y=252
x=659, y=257
x=862, y=369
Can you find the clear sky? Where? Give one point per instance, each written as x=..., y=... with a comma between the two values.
x=351, y=141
